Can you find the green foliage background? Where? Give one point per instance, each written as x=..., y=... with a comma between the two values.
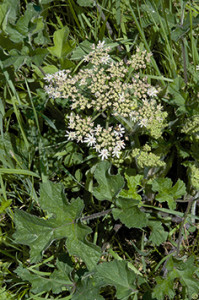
x=72, y=226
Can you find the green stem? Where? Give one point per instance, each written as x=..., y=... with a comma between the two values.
x=182, y=224
x=94, y=118
x=107, y=120
x=95, y=216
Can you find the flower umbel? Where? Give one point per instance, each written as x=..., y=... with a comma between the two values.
x=105, y=94
x=151, y=116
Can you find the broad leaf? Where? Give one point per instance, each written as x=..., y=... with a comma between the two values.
x=83, y=49
x=22, y=24
x=129, y=214
x=133, y=182
x=175, y=89
x=3, y=205
x=8, y=12
x=164, y=288
x=158, y=234
x=19, y=58
x=116, y=273
x=178, y=33
x=167, y=193
x=59, y=279
x=88, y=289
x=23, y=28
x=39, y=233
x=108, y=185
x=181, y=30
x=62, y=46
x=184, y=272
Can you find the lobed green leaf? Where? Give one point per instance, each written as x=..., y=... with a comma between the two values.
x=38, y=233
x=167, y=193
x=108, y=185
x=129, y=214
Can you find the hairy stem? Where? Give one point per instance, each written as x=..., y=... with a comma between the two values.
x=183, y=223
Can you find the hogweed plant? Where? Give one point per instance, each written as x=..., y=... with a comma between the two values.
x=125, y=129
x=119, y=115
x=104, y=97
x=99, y=185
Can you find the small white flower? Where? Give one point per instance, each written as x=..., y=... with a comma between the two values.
x=105, y=59
x=72, y=123
x=159, y=118
x=71, y=135
x=87, y=58
x=60, y=73
x=71, y=117
x=121, y=97
x=90, y=139
x=48, y=77
x=120, y=144
x=97, y=147
x=134, y=118
x=82, y=81
x=152, y=92
x=119, y=130
x=57, y=95
x=80, y=139
x=143, y=123
x=197, y=68
x=100, y=44
x=74, y=105
x=97, y=94
x=104, y=154
x=116, y=152
x=98, y=129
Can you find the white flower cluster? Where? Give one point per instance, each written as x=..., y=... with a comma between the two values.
x=139, y=60
x=61, y=85
x=99, y=55
x=105, y=86
x=150, y=116
x=81, y=126
x=107, y=142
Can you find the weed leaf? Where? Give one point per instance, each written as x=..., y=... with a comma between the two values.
x=158, y=234
x=167, y=193
x=129, y=214
x=132, y=182
x=39, y=233
x=88, y=289
x=184, y=272
x=62, y=46
x=123, y=279
x=43, y=283
x=108, y=185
